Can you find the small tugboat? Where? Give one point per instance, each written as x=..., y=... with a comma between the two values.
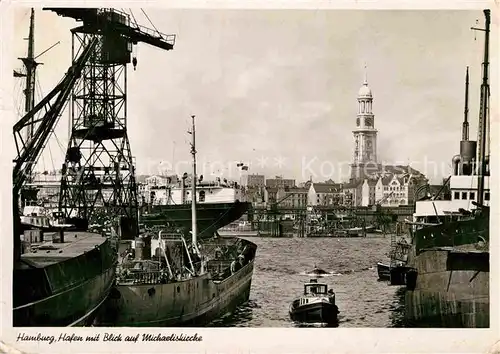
x=317, y=305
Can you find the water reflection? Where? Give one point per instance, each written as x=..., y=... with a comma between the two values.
x=397, y=309
x=241, y=315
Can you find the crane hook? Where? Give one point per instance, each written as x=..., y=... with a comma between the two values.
x=134, y=62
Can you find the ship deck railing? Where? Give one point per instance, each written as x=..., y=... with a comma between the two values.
x=452, y=234
x=219, y=269
x=144, y=277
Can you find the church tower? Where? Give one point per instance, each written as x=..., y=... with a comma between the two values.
x=365, y=136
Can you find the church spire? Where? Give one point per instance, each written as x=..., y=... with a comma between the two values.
x=366, y=76
x=364, y=91
x=365, y=134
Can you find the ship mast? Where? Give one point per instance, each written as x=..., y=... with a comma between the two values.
x=194, y=226
x=483, y=117
x=465, y=125
x=29, y=74
x=30, y=65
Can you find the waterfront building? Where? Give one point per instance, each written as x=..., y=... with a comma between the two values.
x=324, y=194
x=368, y=192
x=253, y=180
x=296, y=198
x=352, y=193
x=280, y=182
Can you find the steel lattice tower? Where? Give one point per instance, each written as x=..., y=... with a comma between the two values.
x=98, y=171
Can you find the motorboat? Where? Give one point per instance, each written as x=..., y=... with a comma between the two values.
x=384, y=271
x=317, y=305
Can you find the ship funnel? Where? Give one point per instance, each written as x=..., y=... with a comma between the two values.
x=456, y=164
x=467, y=148
x=468, y=155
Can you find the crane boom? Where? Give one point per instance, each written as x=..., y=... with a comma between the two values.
x=118, y=22
x=284, y=198
x=383, y=199
x=29, y=151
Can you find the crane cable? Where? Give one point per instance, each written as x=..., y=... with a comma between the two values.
x=133, y=17
x=145, y=14
x=40, y=97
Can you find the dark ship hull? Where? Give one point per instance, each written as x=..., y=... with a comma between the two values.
x=320, y=312
x=449, y=283
x=63, y=284
x=191, y=302
x=210, y=216
x=396, y=275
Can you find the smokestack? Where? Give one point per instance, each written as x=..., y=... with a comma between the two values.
x=465, y=125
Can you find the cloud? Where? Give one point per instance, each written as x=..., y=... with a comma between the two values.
x=248, y=80
x=284, y=82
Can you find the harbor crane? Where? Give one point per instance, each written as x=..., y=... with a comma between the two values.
x=98, y=152
x=99, y=171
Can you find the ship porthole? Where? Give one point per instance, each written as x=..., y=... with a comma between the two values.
x=178, y=289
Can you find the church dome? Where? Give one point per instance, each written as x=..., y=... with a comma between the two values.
x=365, y=91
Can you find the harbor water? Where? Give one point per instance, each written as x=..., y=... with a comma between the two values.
x=281, y=268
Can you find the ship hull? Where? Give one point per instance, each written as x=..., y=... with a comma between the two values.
x=448, y=284
x=196, y=301
x=210, y=216
x=65, y=291
x=451, y=290
x=192, y=302
x=75, y=307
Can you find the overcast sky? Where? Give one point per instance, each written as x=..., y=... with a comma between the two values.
x=282, y=85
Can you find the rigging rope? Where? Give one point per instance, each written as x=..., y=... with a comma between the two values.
x=145, y=14
x=133, y=17
x=40, y=97
x=19, y=101
x=52, y=159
